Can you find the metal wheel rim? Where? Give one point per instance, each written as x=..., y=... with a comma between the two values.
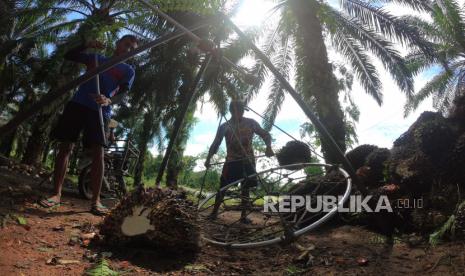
x=297, y=233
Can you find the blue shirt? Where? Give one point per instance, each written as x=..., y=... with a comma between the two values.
x=110, y=81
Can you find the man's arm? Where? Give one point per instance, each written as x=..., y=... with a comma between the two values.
x=215, y=145
x=266, y=137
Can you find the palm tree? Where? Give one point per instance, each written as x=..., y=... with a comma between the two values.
x=26, y=27
x=446, y=32
x=156, y=94
x=305, y=31
x=25, y=23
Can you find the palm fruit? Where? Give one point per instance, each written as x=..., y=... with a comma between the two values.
x=453, y=169
x=434, y=137
x=294, y=152
x=375, y=161
x=357, y=157
x=161, y=219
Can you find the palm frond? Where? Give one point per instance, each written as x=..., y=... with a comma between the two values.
x=418, y=5
x=381, y=48
x=276, y=97
x=417, y=62
x=259, y=70
x=390, y=26
x=438, y=86
x=448, y=16
x=426, y=29
x=365, y=71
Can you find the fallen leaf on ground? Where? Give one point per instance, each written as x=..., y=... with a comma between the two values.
x=101, y=268
x=60, y=261
x=66, y=262
x=21, y=220
x=88, y=236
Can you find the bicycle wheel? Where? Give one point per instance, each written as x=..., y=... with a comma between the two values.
x=264, y=227
x=84, y=183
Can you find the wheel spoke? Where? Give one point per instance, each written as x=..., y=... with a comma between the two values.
x=242, y=221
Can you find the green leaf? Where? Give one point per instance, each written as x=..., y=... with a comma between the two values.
x=101, y=268
x=21, y=220
x=293, y=270
x=439, y=235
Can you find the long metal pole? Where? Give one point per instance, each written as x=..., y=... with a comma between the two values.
x=100, y=115
x=320, y=127
x=53, y=95
x=313, y=118
x=180, y=119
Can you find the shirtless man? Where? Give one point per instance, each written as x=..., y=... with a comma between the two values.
x=240, y=159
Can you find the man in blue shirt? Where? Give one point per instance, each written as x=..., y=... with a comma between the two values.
x=81, y=114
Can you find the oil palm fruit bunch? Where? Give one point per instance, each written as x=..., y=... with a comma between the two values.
x=294, y=152
x=161, y=219
x=358, y=156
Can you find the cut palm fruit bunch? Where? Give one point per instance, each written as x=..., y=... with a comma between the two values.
x=161, y=219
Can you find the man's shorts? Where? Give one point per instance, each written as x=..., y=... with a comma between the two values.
x=75, y=119
x=235, y=170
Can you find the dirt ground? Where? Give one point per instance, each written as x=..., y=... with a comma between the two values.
x=35, y=241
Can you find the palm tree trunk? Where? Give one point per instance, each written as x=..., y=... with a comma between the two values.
x=45, y=153
x=6, y=144
x=37, y=140
x=188, y=93
x=145, y=137
x=20, y=143
x=175, y=163
x=319, y=75
x=34, y=148
x=173, y=169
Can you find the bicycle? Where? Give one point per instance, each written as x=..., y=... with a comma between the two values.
x=119, y=162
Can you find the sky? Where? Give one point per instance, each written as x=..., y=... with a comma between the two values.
x=379, y=125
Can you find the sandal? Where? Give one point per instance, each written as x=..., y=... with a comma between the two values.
x=48, y=203
x=99, y=209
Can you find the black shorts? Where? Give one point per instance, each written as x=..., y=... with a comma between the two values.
x=75, y=119
x=235, y=170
